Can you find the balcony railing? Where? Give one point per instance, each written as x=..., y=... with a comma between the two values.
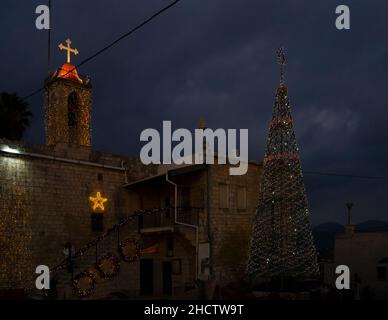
x=188, y=215
x=165, y=219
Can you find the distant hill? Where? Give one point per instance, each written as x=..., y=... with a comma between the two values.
x=372, y=225
x=324, y=234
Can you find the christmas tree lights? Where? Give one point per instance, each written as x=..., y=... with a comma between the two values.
x=282, y=245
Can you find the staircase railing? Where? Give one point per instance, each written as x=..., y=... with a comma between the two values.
x=107, y=241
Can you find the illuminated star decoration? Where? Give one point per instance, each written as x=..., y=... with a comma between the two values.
x=98, y=202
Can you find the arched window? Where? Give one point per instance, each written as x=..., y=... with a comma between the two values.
x=72, y=110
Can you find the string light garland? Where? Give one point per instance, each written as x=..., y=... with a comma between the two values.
x=92, y=245
x=281, y=121
x=83, y=284
x=110, y=45
x=108, y=266
x=129, y=250
x=95, y=274
x=281, y=156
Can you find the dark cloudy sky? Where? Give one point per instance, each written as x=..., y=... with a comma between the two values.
x=216, y=58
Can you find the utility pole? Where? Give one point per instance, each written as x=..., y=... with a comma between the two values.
x=49, y=40
x=349, y=205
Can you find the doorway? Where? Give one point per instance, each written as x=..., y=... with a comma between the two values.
x=146, y=277
x=167, y=277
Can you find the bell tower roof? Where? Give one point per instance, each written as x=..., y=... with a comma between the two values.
x=68, y=71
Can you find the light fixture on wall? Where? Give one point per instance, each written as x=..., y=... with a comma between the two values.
x=7, y=149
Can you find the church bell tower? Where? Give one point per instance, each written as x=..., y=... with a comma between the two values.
x=67, y=105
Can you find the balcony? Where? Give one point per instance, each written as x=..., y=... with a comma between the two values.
x=164, y=220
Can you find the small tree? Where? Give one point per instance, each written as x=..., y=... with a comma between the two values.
x=14, y=116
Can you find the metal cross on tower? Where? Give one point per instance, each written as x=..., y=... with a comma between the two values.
x=68, y=49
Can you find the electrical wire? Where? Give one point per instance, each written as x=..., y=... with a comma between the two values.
x=341, y=175
x=97, y=53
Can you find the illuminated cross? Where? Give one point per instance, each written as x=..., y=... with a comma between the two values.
x=98, y=202
x=68, y=49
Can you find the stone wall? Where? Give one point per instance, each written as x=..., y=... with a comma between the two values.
x=363, y=253
x=44, y=203
x=56, y=102
x=231, y=227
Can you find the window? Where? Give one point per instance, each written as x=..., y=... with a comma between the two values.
x=165, y=202
x=185, y=197
x=97, y=222
x=223, y=195
x=72, y=110
x=167, y=205
x=170, y=247
x=241, y=198
x=382, y=273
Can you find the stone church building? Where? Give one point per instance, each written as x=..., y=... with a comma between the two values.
x=108, y=226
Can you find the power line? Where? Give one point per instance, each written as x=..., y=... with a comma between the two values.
x=49, y=39
x=340, y=175
x=142, y=24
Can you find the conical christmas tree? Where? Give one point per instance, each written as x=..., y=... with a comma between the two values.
x=282, y=245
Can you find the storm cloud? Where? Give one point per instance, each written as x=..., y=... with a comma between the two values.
x=216, y=58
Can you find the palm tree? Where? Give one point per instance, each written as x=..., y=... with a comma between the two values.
x=14, y=116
